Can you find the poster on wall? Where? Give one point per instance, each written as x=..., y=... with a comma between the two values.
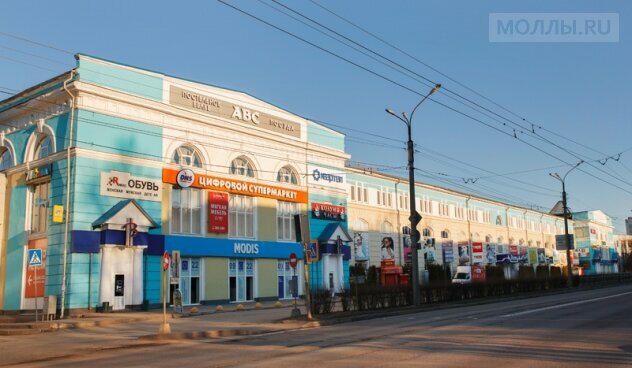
x=478, y=273
x=448, y=252
x=29, y=285
x=513, y=250
x=464, y=252
x=361, y=246
x=490, y=253
x=387, y=249
x=477, y=252
x=541, y=256
x=408, y=253
x=533, y=256
x=430, y=253
x=218, y=212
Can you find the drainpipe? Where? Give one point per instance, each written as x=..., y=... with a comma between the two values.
x=469, y=228
x=64, y=277
x=526, y=229
x=399, y=226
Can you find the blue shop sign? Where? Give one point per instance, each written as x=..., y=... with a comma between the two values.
x=210, y=247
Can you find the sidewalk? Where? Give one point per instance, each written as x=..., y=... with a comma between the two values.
x=253, y=313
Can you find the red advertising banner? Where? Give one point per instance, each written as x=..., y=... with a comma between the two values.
x=218, y=212
x=325, y=211
x=29, y=289
x=478, y=273
x=513, y=250
x=477, y=252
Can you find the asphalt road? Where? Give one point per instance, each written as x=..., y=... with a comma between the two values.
x=579, y=329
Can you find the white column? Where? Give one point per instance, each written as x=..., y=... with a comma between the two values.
x=106, y=292
x=137, y=277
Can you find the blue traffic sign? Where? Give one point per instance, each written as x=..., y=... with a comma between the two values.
x=35, y=257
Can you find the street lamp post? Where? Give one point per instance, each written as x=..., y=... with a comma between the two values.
x=415, y=217
x=569, y=268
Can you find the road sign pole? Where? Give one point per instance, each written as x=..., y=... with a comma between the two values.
x=164, y=326
x=35, y=274
x=308, y=298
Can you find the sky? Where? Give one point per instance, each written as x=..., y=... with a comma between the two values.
x=567, y=101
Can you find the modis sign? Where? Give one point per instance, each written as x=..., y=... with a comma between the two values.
x=237, y=186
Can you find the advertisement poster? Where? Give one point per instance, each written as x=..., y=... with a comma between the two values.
x=513, y=250
x=448, y=252
x=408, y=254
x=430, y=253
x=541, y=256
x=490, y=253
x=478, y=273
x=477, y=252
x=218, y=213
x=322, y=211
x=533, y=256
x=29, y=287
x=463, y=250
x=387, y=249
x=361, y=246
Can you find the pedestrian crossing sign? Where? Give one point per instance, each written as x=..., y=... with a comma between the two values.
x=35, y=257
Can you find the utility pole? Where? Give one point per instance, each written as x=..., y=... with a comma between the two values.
x=415, y=217
x=567, y=239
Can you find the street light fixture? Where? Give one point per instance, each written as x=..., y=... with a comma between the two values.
x=415, y=217
x=569, y=269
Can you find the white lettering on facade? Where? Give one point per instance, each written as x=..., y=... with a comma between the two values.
x=246, y=248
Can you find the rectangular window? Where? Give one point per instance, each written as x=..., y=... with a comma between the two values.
x=285, y=220
x=241, y=222
x=353, y=192
x=39, y=208
x=186, y=211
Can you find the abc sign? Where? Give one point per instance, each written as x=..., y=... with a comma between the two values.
x=185, y=178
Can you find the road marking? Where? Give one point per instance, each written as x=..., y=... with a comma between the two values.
x=565, y=305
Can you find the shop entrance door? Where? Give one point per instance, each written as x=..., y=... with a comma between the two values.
x=241, y=275
x=190, y=271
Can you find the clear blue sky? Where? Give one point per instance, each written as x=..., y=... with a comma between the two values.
x=578, y=90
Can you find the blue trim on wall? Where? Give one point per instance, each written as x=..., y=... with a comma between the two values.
x=84, y=241
x=211, y=247
x=15, y=249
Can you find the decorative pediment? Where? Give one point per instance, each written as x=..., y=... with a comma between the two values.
x=332, y=231
x=118, y=216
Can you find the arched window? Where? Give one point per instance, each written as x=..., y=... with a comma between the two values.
x=386, y=227
x=445, y=234
x=488, y=238
x=500, y=240
x=186, y=155
x=521, y=242
x=360, y=225
x=499, y=220
x=44, y=147
x=426, y=232
x=6, y=158
x=511, y=241
x=476, y=237
x=287, y=174
x=242, y=166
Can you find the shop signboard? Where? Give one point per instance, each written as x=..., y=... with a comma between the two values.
x=560, y=241
x=477, y=252
x=324, y=211
x=125, y=185
x=238, y=186
x=217, y=212
x=328, y=177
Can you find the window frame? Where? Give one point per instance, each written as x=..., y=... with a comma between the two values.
x=181, y=216
x=234, y=215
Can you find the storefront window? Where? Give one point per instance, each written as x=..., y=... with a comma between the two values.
x=39, y=208
x=285, y=220
x=186, y=211
x=241, y=222
x=285, y=273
